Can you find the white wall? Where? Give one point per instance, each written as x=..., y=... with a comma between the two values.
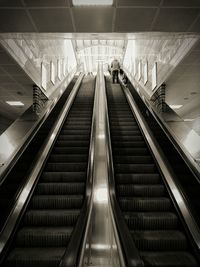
x=165, y=50
x=37, y=55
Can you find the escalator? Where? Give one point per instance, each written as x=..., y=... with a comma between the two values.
x=15, y=179
x=185, y=175
x=48, y=223
x=146, y=205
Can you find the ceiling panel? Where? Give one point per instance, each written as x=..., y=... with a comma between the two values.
x=24, y=80
x=93, y=19
x=15, y=20
x=12, y=3
x=177, y=19
x=13, y=69
x=46, y=3
x=6, y=59
x=5, y=79
x=52, y=20
x=181, y=3
x=2, y=71
x=129, y=19
x=192, y=58
x=138, y=2
x=196, y=26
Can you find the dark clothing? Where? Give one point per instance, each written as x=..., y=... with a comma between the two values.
x=115, y=74
x=115, y=66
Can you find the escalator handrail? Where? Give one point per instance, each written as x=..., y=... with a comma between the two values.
x=130, y=251
x=76, y=245
x=166, y=171
x=5, y=169
x=22, y=201
x=186, y=156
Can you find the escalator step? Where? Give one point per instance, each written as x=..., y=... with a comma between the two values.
x=65, y=177
x=67, y=137
x=151, y=220
x=141, y=190
x=135, y=168
x=145, y=204
x=67, y=158
x=133, y=144
x=168, y=259
x=68, y=167
x=74, y=143
x=35, y=257
x=60, y=188
x=51, y=217
x=159, y=240
x=123, y=123
x=125, y=133
x=43, y=236
x=133, y=159
x=130, y=151
x=143, y=178
x=56, y=202
x=75, y=132
x=78, y=123
x=124, y=127
x=70, y=150
x=76, y=127
x=122, y=138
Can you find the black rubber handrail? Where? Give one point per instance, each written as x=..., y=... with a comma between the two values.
x=131, y=254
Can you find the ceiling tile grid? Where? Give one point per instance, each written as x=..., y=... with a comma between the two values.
x=123, y=16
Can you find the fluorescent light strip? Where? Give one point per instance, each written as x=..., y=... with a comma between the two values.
x=92, y=2
x=15, y=103
x=175, y=106
x=188, y=119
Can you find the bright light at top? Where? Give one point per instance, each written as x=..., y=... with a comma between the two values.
x=15, y=103
x=175, y=106
x=92, y=2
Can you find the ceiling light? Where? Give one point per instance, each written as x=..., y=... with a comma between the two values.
x=188, y=119
x=15, y=103
x=175, y=106
x=92, y=2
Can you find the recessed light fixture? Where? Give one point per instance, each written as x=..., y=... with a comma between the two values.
x=188, y=119
x=92, y=2
x=15, y=103
x=175, y=106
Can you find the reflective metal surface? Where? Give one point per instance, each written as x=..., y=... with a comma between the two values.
x=32, y=178
x=101, y=248
x=167, y=174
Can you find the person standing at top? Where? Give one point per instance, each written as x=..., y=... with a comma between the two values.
x=115, y=68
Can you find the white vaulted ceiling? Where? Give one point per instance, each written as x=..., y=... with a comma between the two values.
x=123, y=16
x=90, y=52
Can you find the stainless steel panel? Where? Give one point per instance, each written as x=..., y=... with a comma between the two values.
x=100, y=247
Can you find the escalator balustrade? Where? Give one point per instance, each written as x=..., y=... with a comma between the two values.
x=52, y=213
x=17, y=176
x=142, y=196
